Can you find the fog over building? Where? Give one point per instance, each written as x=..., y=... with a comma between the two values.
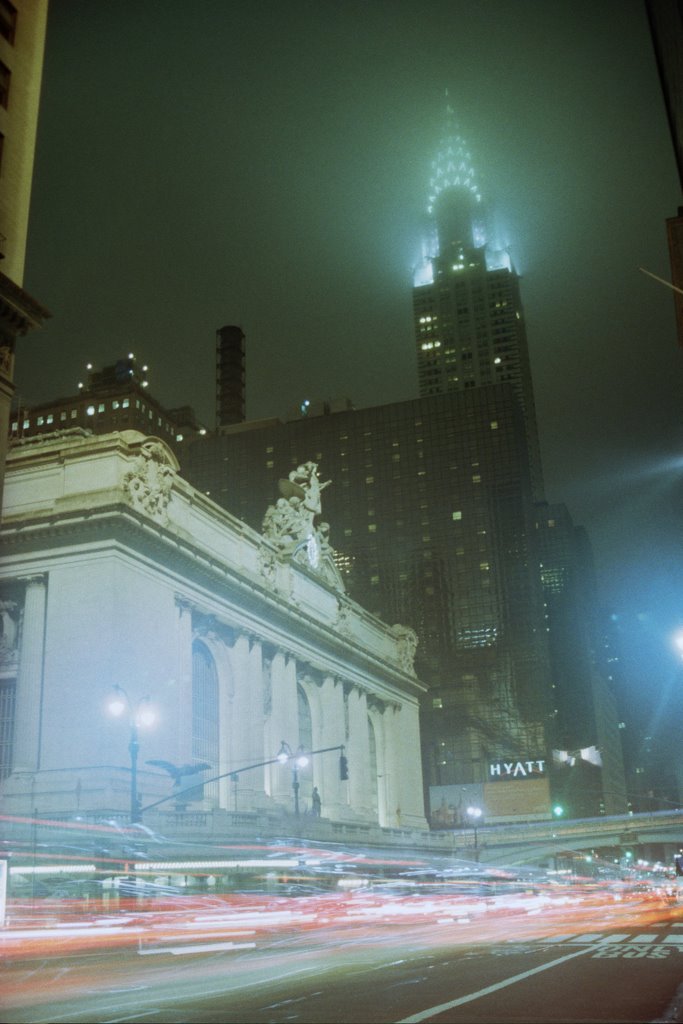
x=437, y=519
x=434, y=521
x=468, y=316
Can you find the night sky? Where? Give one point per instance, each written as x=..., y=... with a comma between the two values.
x=266, y=162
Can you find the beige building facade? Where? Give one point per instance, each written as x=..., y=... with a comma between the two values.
x=119, y=579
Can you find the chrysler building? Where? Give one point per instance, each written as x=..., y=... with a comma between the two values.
x=469, y=322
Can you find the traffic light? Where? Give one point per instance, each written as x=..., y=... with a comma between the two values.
x=343, y=768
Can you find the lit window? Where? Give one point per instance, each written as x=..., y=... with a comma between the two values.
x=269, y=464
x=372, y=527
x=115, y=404
x=100, y=407
x=40, y=421
x=125, y=403
x=50, y=419
x=62, y=415
x=27, y=424
x=457, y=515
x=476, y=479
x=74, y=414
x=494, y=424
x=437, y=702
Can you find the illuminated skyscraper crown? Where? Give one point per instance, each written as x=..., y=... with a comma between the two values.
x=453, y=165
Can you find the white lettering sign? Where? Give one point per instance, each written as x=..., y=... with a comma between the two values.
x=517, y=769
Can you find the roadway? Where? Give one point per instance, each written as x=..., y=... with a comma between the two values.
x=377, y=957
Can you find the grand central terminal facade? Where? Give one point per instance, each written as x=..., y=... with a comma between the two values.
x=124, y=589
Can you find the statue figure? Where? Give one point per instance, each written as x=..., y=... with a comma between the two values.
x=290, y=523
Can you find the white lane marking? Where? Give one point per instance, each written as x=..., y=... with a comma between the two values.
x=129, y=1019
x=675, y=939
x=209, y=947
x=645, y=938
x=416, y=1018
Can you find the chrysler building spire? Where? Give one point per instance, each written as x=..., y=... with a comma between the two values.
x=452, y=168
x=454, y=199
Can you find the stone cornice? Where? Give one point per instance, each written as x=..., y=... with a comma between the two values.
x=85, y=497
x=19, y=310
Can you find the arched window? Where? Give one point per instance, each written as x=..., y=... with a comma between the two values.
x=204, y=706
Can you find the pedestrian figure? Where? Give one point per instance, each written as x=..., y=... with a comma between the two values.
x=315, y=799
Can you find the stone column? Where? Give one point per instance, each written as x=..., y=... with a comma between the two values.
x=393, y=766
x=29, y=693
x=237, y=738
x=333, y=792
x=183, y=703
x=245, y=746
x=284, y=724
x=359, y=753
x=409, y=790
x=254, y=682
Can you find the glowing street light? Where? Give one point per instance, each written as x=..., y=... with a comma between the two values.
x=299, y=760
x=139, y=714
x=474, y=814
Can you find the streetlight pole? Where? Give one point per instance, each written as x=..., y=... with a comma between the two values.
x=120, y=703
x=474, y=814
x=133, y=748
x=298, y=760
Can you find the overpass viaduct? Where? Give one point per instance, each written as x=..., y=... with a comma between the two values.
x=537, y=841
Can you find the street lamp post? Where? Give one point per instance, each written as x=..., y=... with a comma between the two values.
x=474, y=814
x=298, y=760
x=137, y=715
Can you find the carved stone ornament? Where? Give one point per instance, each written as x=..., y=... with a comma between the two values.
x=344, y=617
x=406, y=647
x=9, y=634
x=149, y=481
x=290, y=525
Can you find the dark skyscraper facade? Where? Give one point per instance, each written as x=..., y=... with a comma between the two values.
x=589, y=777
x=468, y=317
x=437, y=517
x=432, y=518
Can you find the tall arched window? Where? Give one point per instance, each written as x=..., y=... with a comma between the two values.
x=204, y=707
